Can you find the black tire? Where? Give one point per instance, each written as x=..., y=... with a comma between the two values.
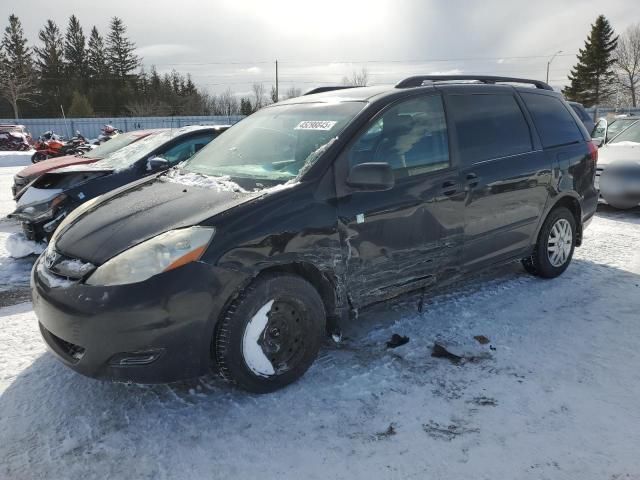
x=38, y=157
x=291, y=337
x=540, y=263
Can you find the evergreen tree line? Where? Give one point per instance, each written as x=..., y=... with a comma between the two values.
x=100, y=76
x=608, y=68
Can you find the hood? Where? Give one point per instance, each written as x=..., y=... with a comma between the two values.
x=139, y=211
x=612, y=152
x=45, y=166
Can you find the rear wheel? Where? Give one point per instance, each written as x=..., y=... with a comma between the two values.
x=271, y=334
x=555, y=245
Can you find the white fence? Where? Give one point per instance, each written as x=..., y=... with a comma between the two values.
x=603, y=111
x=90, y=127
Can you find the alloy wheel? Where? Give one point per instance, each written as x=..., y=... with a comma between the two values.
x=559, y=243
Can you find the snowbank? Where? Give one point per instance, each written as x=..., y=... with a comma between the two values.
x=17, y=246
x=15, y=159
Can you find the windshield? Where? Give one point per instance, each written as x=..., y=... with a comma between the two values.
x=116, y=143
x=127, y=156
x=631, y=134
x=619, y=125
x=275, y=144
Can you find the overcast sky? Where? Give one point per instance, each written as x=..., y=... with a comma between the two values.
x=234, y=43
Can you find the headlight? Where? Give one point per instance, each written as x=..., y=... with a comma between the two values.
x=159, y=254
x=45, y=210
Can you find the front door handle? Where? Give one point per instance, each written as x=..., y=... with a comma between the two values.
x=449, y=188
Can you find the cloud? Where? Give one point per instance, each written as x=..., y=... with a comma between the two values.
x=253, y=70
x=164, y=50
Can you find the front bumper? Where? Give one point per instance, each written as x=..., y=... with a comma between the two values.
x=620, y=184
x=155, y=331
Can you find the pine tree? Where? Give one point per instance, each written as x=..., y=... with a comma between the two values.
x=121, y=58
x=97, y=67
x=75, y=49
x=190, y=88
x=16, y=66
x=593, y=79
x=245, y=106
x=49, y=58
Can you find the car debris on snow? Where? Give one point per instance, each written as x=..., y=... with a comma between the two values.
x=397, y=341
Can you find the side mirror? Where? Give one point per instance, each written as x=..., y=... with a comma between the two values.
x=371, y=177
x=157, y=163
x=598, y=141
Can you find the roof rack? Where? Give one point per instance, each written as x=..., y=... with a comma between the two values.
x=328, y=88
x=418, y=80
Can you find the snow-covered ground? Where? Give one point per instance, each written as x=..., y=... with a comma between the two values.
x=554, y=395
x=13, y=273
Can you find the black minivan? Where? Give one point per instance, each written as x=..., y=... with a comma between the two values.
x=245, y=256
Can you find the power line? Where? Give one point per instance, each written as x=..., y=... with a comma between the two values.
x=296, y=62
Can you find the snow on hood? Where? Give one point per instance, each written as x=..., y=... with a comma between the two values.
x=82, y=167
x=613, y=152
x=191, y=179
x=221, y=183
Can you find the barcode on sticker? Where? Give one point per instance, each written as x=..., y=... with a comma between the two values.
x=315, y=125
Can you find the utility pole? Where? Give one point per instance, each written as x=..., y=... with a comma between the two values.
x=277, y=96
x=551, y=60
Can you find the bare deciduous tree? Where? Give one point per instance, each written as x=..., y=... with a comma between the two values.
x=259, y=94
x=17, y=79
x=292, y=92
x=15, y=88
x=627, y=56
x=228, y=103
x=358, y=79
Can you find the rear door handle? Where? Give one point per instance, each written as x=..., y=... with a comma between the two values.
x=449, y=188
x=472, y=180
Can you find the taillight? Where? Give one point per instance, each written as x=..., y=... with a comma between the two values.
x=593, y=151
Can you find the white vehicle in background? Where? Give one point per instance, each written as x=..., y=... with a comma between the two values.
x=606, y=130
x=618, y=169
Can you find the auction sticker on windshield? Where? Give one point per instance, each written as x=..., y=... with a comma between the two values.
x=315, y=125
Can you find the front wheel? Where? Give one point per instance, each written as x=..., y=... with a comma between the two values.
x=38, y=157
x=271, y=334
x=555, y=245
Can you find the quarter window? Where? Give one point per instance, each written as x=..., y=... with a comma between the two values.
x=411, y=137
x=554, y=123
x=489, y=126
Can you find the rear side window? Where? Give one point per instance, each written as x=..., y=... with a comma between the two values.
x=489, y=126
x=554, y=123
x=580, y=111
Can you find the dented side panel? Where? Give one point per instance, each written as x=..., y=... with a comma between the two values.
x=405, y=238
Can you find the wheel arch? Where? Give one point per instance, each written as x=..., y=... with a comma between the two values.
x=572, y=203
x=323, y=285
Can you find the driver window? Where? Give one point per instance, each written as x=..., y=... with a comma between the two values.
x=185, y=149
x=411, y=137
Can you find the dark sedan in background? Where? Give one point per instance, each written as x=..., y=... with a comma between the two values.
x=27, y=175
x=55, y=194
